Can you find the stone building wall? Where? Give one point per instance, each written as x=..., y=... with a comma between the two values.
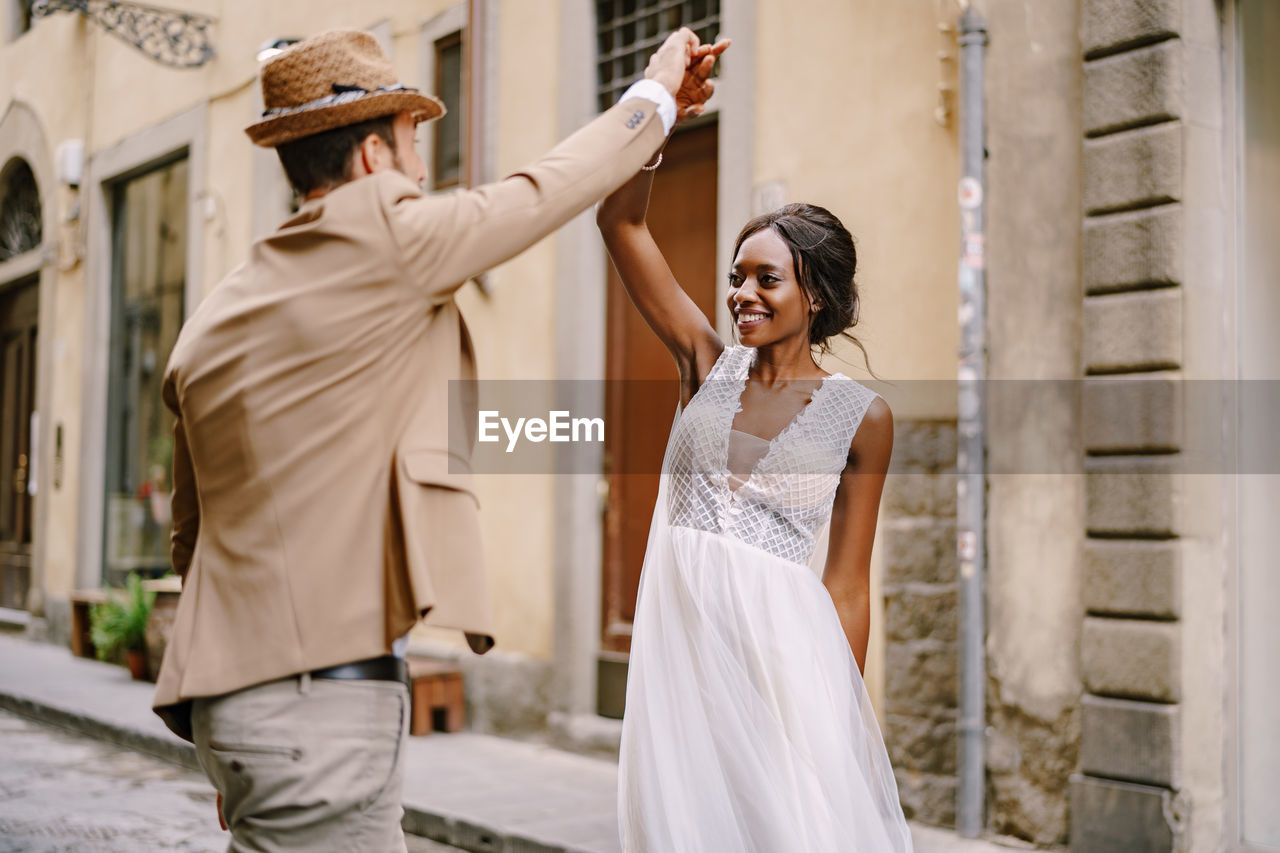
x=1105, y=593
x=921, y=658
x=1034, y=516
x=1137, y=132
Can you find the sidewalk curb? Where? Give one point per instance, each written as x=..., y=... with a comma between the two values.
x=444, y=828
x=467, y=835
x=180, y=753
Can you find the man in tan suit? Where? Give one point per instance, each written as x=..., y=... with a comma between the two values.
x=318, y=509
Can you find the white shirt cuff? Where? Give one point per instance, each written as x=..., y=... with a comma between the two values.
x=652, y=90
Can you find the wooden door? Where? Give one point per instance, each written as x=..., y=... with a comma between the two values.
x=19, y=307
x=642, y=393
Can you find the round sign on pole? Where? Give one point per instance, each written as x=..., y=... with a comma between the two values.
x=969, y=192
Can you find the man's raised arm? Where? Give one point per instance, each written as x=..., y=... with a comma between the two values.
x=448, y=239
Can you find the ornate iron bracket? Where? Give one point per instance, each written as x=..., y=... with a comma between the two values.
x=176, y=39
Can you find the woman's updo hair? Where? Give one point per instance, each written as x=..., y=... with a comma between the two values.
x=825, y=261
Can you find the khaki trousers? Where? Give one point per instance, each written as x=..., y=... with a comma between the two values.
x=307, y=764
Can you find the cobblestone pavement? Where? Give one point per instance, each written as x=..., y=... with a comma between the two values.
x=63, y=792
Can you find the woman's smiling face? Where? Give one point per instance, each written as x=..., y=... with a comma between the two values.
x=765, y=296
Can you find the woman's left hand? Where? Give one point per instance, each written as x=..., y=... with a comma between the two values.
x=697, y=87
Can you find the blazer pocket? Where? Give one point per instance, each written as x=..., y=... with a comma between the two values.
x=438, y=468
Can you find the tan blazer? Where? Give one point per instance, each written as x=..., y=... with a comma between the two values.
x=317, y=510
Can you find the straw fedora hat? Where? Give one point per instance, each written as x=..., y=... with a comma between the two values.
x=334, y=79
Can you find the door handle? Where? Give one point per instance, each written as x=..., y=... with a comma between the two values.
x=602, y=494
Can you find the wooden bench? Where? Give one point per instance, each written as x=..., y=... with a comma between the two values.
x=81, y=601
x=439, y=701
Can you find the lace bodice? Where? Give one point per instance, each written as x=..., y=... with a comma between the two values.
x=745, y=452
x=789, y=494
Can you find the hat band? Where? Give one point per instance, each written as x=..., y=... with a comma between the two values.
x=346, y=95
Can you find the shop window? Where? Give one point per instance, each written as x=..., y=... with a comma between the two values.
x=149, y=247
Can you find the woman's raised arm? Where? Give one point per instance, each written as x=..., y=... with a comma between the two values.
x=665, y=306
x=668, y=310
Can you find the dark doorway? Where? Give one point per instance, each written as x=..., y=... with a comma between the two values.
x=682, y=218
x=19, y=315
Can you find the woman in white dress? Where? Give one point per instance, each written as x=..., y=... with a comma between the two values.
x=747, y=724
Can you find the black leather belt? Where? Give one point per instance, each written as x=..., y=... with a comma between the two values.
x=385, y=668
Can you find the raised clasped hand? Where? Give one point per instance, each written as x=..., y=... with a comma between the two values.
x=697, y=86
x=671, y=60
x=683, y=65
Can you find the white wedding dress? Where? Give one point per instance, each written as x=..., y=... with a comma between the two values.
x=747, y=725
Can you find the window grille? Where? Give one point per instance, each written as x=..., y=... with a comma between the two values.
x=629, y=31
x=20, y=225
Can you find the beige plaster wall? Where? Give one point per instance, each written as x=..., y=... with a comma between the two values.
x=64, y=403
x=133, y=92
x=29, y=72
x=226, y=212
x=513, y=326
x=846, y=93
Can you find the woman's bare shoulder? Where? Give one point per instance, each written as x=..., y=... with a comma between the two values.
x=872, y=443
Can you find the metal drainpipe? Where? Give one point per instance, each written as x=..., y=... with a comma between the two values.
x=971, y=457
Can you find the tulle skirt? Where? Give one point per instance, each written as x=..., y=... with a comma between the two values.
x=747, y=725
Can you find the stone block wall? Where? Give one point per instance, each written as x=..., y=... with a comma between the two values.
x=921, y=614
x=1125, y=796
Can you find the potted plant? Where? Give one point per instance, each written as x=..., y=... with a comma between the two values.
x=164, y=609
x=119, y=625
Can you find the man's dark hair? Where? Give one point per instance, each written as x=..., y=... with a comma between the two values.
x=323, y=160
